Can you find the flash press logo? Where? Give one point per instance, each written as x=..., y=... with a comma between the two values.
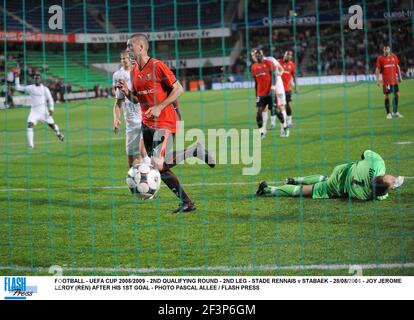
x=16, y=288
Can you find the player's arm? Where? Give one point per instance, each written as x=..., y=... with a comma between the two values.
x=377, y=71
x=176, y=91
x=18, y=86
x=252, y=72
x=281, y=70
x=50, y=102
x=255, y=86
x=123, y=88
x=294, y=80
x=399, y=73
x=117, y=114
x=274, y=68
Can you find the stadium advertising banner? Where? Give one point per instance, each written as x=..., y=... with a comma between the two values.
x=18, y=36
x=154, y=36
x=303, y=81
x=182, y=63
x=310, y=20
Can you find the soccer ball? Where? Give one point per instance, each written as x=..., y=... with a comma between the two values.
x=144, y=181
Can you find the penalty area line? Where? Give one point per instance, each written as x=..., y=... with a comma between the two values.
x=198, y=184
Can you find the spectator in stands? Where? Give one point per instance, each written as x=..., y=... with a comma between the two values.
x=10, y=76
x=97, y=90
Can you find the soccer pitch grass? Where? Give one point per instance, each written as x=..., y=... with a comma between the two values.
x=67, y=204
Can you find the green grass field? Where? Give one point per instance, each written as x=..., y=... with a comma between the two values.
x=66, y=203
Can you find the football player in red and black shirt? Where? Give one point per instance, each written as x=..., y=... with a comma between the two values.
x=388, y=65
x=263, y=74
x=289, y=73
x=156, y=88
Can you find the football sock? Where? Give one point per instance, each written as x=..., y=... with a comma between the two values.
x=55, y=128
x=395, y=104
x=30, y=135
x=288, y=110
x=284, y=119
x=196, y=150
x=273, y=110
x=280, y=117
x=171, y=180
x=146, y=160
x=259, y=119
x=387, y=105
x=289, y=120
x=273, y=120
x=286, y=190
x=265, y=116
x=310, y=179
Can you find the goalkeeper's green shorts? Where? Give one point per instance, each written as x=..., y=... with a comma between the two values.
x=334, y=186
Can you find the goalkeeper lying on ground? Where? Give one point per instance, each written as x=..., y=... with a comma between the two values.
x=362, y=180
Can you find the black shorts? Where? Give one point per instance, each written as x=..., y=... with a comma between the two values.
x=158, y=142
x=262, y=102
x=288, y=95
x=390, y=88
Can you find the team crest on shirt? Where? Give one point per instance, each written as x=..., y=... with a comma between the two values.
x=148, y=76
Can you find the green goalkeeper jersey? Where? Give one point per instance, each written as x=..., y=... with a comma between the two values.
x=359, y=178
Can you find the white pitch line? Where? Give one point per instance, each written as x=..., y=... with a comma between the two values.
x=302, y=128
x=250, y=268
x=198, y=184
x=41, y=142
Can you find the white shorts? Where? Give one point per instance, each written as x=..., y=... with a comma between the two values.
x=132, y=141
x=280, y=92
x=40, y=115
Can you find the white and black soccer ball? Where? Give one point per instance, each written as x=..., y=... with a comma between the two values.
x=144, y=181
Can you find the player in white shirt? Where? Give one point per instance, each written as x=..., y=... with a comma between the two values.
x=280, y=98
x=42, y=107
x=132, y=113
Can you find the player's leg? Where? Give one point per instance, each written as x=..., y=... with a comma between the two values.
x=260, y=108
x=132, y=144
x=275, y=113
x=30, y=134
x=284, y=129
x=396, y=92
x=162, y=142
x=52, y=125
x=131, y=160
x=32, y=121
x=265, y=116
x=308, y=180
x=197, y=150
x=386, y=90
x=286, y=190
x=289, y=108
x=143, y=151
x=281, y=99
